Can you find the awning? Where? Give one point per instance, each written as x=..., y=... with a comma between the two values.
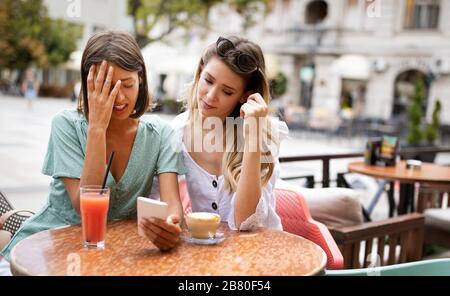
x=351, y=66
x=161, y=58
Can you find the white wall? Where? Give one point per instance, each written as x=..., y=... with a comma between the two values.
x=379, y=94
x=327, y=85
x=440, y=89
x=289, y=67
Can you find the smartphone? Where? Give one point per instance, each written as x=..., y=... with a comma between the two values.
x=147, y=208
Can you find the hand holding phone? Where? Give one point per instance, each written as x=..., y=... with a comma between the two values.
x=147, y=208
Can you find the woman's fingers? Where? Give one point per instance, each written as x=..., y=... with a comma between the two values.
x=253, y=103
x=166, y=229
x=171, y=237
x=90, y=79
x=108, y=81
x=114, y=92
x=100, y=77
x=147, y=231
x=256, y=97
x=159, y=242
x=246, y=110
x=161, y=228
x=173, y=219
x=254, y=107
x=155, y=236
x=172, y=229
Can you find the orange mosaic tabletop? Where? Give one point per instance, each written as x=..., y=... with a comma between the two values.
x=261, y=252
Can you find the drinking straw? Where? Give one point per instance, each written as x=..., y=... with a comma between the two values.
x=107, y=171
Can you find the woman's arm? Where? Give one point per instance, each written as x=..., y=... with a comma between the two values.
x=100, y=109
x=249, y=186
x=169, y=193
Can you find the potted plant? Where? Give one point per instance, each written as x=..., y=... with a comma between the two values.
x=421, y=134
x=171, y=106
x=415, y=115
x=278, y=87
x=432, y=130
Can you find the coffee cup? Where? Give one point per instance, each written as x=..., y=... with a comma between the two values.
x=202, y=225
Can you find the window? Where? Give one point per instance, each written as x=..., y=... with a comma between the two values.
x=422, y=14
x=316, y=12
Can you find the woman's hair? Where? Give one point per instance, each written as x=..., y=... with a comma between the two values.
x=121, y=49
x=255, y=81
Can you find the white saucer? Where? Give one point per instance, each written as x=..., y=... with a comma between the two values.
x=220, y=237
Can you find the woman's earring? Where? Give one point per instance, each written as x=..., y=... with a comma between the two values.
x=134, y=112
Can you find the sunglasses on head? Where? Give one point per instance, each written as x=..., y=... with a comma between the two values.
x=245, y=62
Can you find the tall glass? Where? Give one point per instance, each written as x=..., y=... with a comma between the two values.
x=94, y=203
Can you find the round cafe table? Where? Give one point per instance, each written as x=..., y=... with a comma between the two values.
x=261, y=252
x=430, y=175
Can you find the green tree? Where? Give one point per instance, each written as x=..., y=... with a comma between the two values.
x=418, y=129
x=431, y=131
x=20, y=29
x=415, y=114
x=173, y=14
x=28, y=36
x=249, y=9
x=59, y=40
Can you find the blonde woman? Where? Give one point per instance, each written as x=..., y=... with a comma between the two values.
x=227, y=173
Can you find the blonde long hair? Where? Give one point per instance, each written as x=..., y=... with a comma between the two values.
x=255, y=82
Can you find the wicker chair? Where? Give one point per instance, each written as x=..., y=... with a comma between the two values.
x=10, y=220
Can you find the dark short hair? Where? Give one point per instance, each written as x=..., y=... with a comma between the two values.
x=121, y=49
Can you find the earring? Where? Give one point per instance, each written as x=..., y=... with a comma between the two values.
x=134, y=112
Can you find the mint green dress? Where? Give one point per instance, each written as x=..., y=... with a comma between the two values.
x=152, y=154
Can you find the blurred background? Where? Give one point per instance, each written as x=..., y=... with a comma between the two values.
x=341, y=71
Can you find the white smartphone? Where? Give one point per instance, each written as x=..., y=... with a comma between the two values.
x=147, y=208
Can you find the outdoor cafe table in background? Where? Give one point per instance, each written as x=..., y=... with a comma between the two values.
x=262, y=252
x=431, y=175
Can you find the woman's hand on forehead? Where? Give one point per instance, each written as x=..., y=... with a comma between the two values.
x=100, y=96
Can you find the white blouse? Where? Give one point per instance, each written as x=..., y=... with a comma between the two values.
x=207, y=192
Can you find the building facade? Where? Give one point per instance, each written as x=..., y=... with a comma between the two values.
x=362, y=55
x=92, y=16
